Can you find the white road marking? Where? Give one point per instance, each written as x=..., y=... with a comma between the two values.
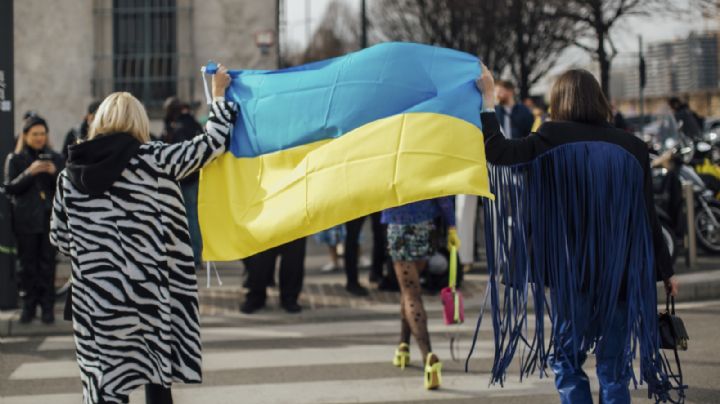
x=254, y=359
x=293, y=331
x=405, y=389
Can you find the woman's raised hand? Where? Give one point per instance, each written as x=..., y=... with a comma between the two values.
x=220, y=81
x=486, y=84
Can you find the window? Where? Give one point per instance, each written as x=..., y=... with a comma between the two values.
x=144, y=47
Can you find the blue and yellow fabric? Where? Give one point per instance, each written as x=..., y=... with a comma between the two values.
x=323, y=143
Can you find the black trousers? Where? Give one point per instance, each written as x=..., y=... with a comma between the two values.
x=261, y=268
x=352, y=245
x=154, y=394
x=37, y=269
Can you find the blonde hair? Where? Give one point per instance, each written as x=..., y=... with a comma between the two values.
x=121, y=112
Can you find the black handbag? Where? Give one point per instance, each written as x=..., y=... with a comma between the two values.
x=672, y=329
x=674, y=337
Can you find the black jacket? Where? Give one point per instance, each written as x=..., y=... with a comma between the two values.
x=31, y=196
x=185, y=127
x=521, y=120
x=501, y=151
x=74, y=136
x=689, y=124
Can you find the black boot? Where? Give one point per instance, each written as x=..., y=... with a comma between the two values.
x=48, y=317
x=356, y=289
x=28, y=313
x=250, y=305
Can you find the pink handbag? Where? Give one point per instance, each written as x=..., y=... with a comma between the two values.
x=452, y=300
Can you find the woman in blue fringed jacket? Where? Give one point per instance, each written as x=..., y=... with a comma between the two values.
x=574, y=211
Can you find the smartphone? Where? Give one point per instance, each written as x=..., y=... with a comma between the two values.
x=45, y=157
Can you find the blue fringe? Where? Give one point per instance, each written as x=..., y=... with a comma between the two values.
x=573, y=220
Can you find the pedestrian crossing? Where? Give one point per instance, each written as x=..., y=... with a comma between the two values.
x=251, y=359
x=384, y=390
x=289, y=331
x=323, y=362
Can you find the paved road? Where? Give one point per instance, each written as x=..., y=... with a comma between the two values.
x=341, y=356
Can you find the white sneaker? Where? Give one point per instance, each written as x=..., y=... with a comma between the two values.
x=330, y=267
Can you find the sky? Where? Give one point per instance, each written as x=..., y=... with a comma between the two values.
x=653, y=29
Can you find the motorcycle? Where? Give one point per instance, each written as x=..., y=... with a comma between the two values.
x=707, y=206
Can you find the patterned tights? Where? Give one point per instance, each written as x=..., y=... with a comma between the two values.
x=412, y=311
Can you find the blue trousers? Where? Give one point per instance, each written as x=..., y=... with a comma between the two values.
x=190, y=196
x=614, y=377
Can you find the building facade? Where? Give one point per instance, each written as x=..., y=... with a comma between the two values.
x=686, y=68
x=68, y=53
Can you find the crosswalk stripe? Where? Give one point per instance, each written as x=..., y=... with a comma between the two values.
x=291, y=331
x=254, y=359
x=404, y=389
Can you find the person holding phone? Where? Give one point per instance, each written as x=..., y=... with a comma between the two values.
x=30, y=176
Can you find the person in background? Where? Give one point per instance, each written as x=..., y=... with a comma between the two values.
x=118, y=214
x=181, y=126
x=690, y=123
x=537, y=106
x=515, y=119
x=352, y=253
x=410, y=244
x=618, y=120
x=30, y=175
x=79, y=133
x=260, y=269
x=466, y=219
x=332, y=238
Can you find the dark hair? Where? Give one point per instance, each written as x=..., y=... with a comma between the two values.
x=33, y=121
x=675, y=102
x=29, y=114
x=506, y=84
x=93, y=107
x=576, y=96
x=173, y=109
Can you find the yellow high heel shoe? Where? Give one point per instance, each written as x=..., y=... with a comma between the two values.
x=433, y=375
x=402, y=356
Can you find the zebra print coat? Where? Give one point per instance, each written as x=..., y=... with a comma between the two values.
x=135, y=305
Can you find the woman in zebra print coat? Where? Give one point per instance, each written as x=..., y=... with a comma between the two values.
x=118, y=213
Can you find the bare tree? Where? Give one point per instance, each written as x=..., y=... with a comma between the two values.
x=517, y=34
x=337, y=34
x=537, y=41
x=472, y=26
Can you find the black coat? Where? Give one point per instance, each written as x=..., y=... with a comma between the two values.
x=521, y=120
x=689, y=124
x=74, y=136
x=185, y=127
x=31, y=196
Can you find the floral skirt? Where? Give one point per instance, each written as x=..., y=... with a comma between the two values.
x=411, y=242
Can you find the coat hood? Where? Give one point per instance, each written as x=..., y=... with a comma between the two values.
x=93, y=166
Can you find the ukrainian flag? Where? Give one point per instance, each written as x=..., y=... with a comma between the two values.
x=323, y=143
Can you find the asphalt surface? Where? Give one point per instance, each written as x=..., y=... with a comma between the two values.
x=336, y=356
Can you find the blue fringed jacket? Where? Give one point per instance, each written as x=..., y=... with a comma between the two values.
x=503, y=152
x=573, y=220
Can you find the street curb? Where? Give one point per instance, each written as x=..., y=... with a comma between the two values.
x=698, y=286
